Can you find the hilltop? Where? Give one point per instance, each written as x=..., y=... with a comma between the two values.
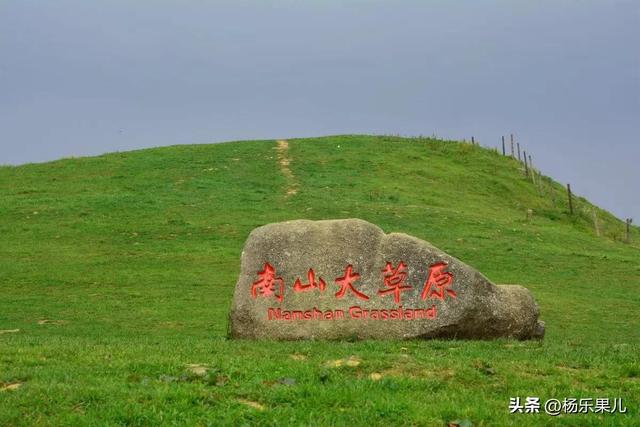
x=117, y=273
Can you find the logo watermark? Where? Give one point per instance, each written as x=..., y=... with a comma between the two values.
x=569, y=405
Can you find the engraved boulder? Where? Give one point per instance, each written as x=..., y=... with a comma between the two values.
x=346, y=279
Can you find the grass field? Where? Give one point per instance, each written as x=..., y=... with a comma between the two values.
x=117, y=272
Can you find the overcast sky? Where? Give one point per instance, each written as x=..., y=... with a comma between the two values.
x=88, y=77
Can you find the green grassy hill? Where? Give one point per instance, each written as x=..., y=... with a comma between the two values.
x=117, y=272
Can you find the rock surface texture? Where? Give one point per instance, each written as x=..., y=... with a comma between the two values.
x=346, y=279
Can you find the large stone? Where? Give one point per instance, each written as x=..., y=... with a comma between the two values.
x=290, y=288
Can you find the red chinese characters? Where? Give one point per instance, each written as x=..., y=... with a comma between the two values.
x=298, y=286
x=267, y=283
x=438, y=283
x=394, y=280
x=346, y=283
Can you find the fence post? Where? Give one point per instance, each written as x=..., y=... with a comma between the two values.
x=519, y=159
x=570, y=201
x=533, y=170
x=629, y=220
x=526, y=167
x=473, y=140
x=512, y=153
x=503, y=150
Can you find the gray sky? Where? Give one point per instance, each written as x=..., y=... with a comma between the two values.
x=88, y=77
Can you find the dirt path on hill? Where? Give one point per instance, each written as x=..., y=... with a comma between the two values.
x=284, y=160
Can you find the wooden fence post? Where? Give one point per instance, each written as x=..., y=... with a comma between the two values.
x=512, y=153
x=570, y=201
x=519, y=159
x=533, y=170
x=629, y=220
x=503, y=150
x=526, y=168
